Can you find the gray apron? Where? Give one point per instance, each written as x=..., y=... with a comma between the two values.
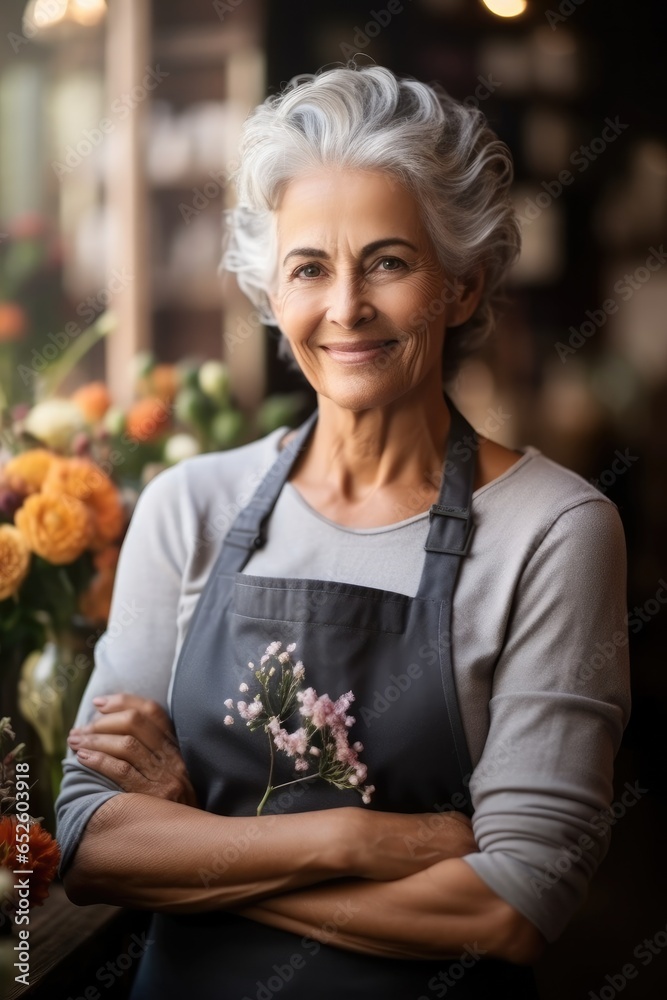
x=395, y=653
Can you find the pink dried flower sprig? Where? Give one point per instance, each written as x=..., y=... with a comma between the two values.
x=321, y=745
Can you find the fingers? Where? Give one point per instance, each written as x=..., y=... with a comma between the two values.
x=129, y=714
x=118, y=770
x=124, y=748
x=133, y=768
x=120, y=702
x=131, y=742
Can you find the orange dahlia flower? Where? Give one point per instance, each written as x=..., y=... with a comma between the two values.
x=82, y=479
x=43, y=856
x=14, y=560
x=93, y=399
x=13, y=321
x=147, y=419
x=26, y=472
x=58, y=528
x=163, y=381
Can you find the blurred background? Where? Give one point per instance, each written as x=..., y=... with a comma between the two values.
x=118, y=129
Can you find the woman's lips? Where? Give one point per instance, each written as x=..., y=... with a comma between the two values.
x=358, y=351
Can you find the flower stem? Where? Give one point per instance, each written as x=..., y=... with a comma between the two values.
x=269, y=787
x=296, y=781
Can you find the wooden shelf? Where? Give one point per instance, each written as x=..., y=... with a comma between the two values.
x=207, y=43
x=69, y=943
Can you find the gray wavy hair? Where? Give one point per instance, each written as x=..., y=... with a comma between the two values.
x=442, y=151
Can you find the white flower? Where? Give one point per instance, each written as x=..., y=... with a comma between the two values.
x=358, y=746
x=229, y=703
x=228, y=720
x=55, y=422
x=243, y=688
x=283, y=658
x=299, y=671
x=291, y=647
x=251, y=665
x=180, y=446
x=316, y=752
x=214, y=380
x=273, y=648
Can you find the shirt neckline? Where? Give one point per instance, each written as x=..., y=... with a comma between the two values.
x=527, y=453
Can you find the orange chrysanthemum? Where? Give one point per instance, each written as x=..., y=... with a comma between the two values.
x=58, y=528
x=13, y=321
x=43, y=856
x=26, y=472
x=14, y=560
x=163, y=381
x=82, y=479
x=93, y=400
x=147, y=419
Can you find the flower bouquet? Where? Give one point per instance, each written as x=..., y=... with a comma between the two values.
x=320, y=746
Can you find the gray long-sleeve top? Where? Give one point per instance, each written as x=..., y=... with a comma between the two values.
x=539, y=643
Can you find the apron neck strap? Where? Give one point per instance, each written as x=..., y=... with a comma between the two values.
x=451, y=525
x=247, y=533
x=450, y=528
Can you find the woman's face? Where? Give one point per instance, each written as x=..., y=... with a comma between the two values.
x=360, y=294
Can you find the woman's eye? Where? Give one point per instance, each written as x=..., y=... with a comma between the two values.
x=391, y=264
x=309, y=271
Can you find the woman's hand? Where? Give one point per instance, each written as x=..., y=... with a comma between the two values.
x=132, y=742
x=386, y=845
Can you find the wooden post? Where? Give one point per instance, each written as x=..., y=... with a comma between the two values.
x=128, y=55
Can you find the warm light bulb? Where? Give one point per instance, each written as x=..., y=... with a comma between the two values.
x=44, y=13
x=87, y=12
x=506, y=8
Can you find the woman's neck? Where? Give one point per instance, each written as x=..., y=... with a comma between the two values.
x=377, y=465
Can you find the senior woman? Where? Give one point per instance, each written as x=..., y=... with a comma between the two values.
x=458, y=591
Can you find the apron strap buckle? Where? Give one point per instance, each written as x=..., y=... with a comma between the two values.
x=450, y=532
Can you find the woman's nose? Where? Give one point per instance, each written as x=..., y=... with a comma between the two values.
x=349, y=305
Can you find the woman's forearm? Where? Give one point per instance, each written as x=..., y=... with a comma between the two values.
x=435, y=913
x=152, y=853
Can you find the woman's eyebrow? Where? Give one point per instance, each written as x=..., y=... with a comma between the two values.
x=370, y=248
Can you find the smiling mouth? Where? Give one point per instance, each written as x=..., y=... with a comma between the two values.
x=356, y=346
x=359, y=351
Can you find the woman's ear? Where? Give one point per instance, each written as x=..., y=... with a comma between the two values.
x=467, y=300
